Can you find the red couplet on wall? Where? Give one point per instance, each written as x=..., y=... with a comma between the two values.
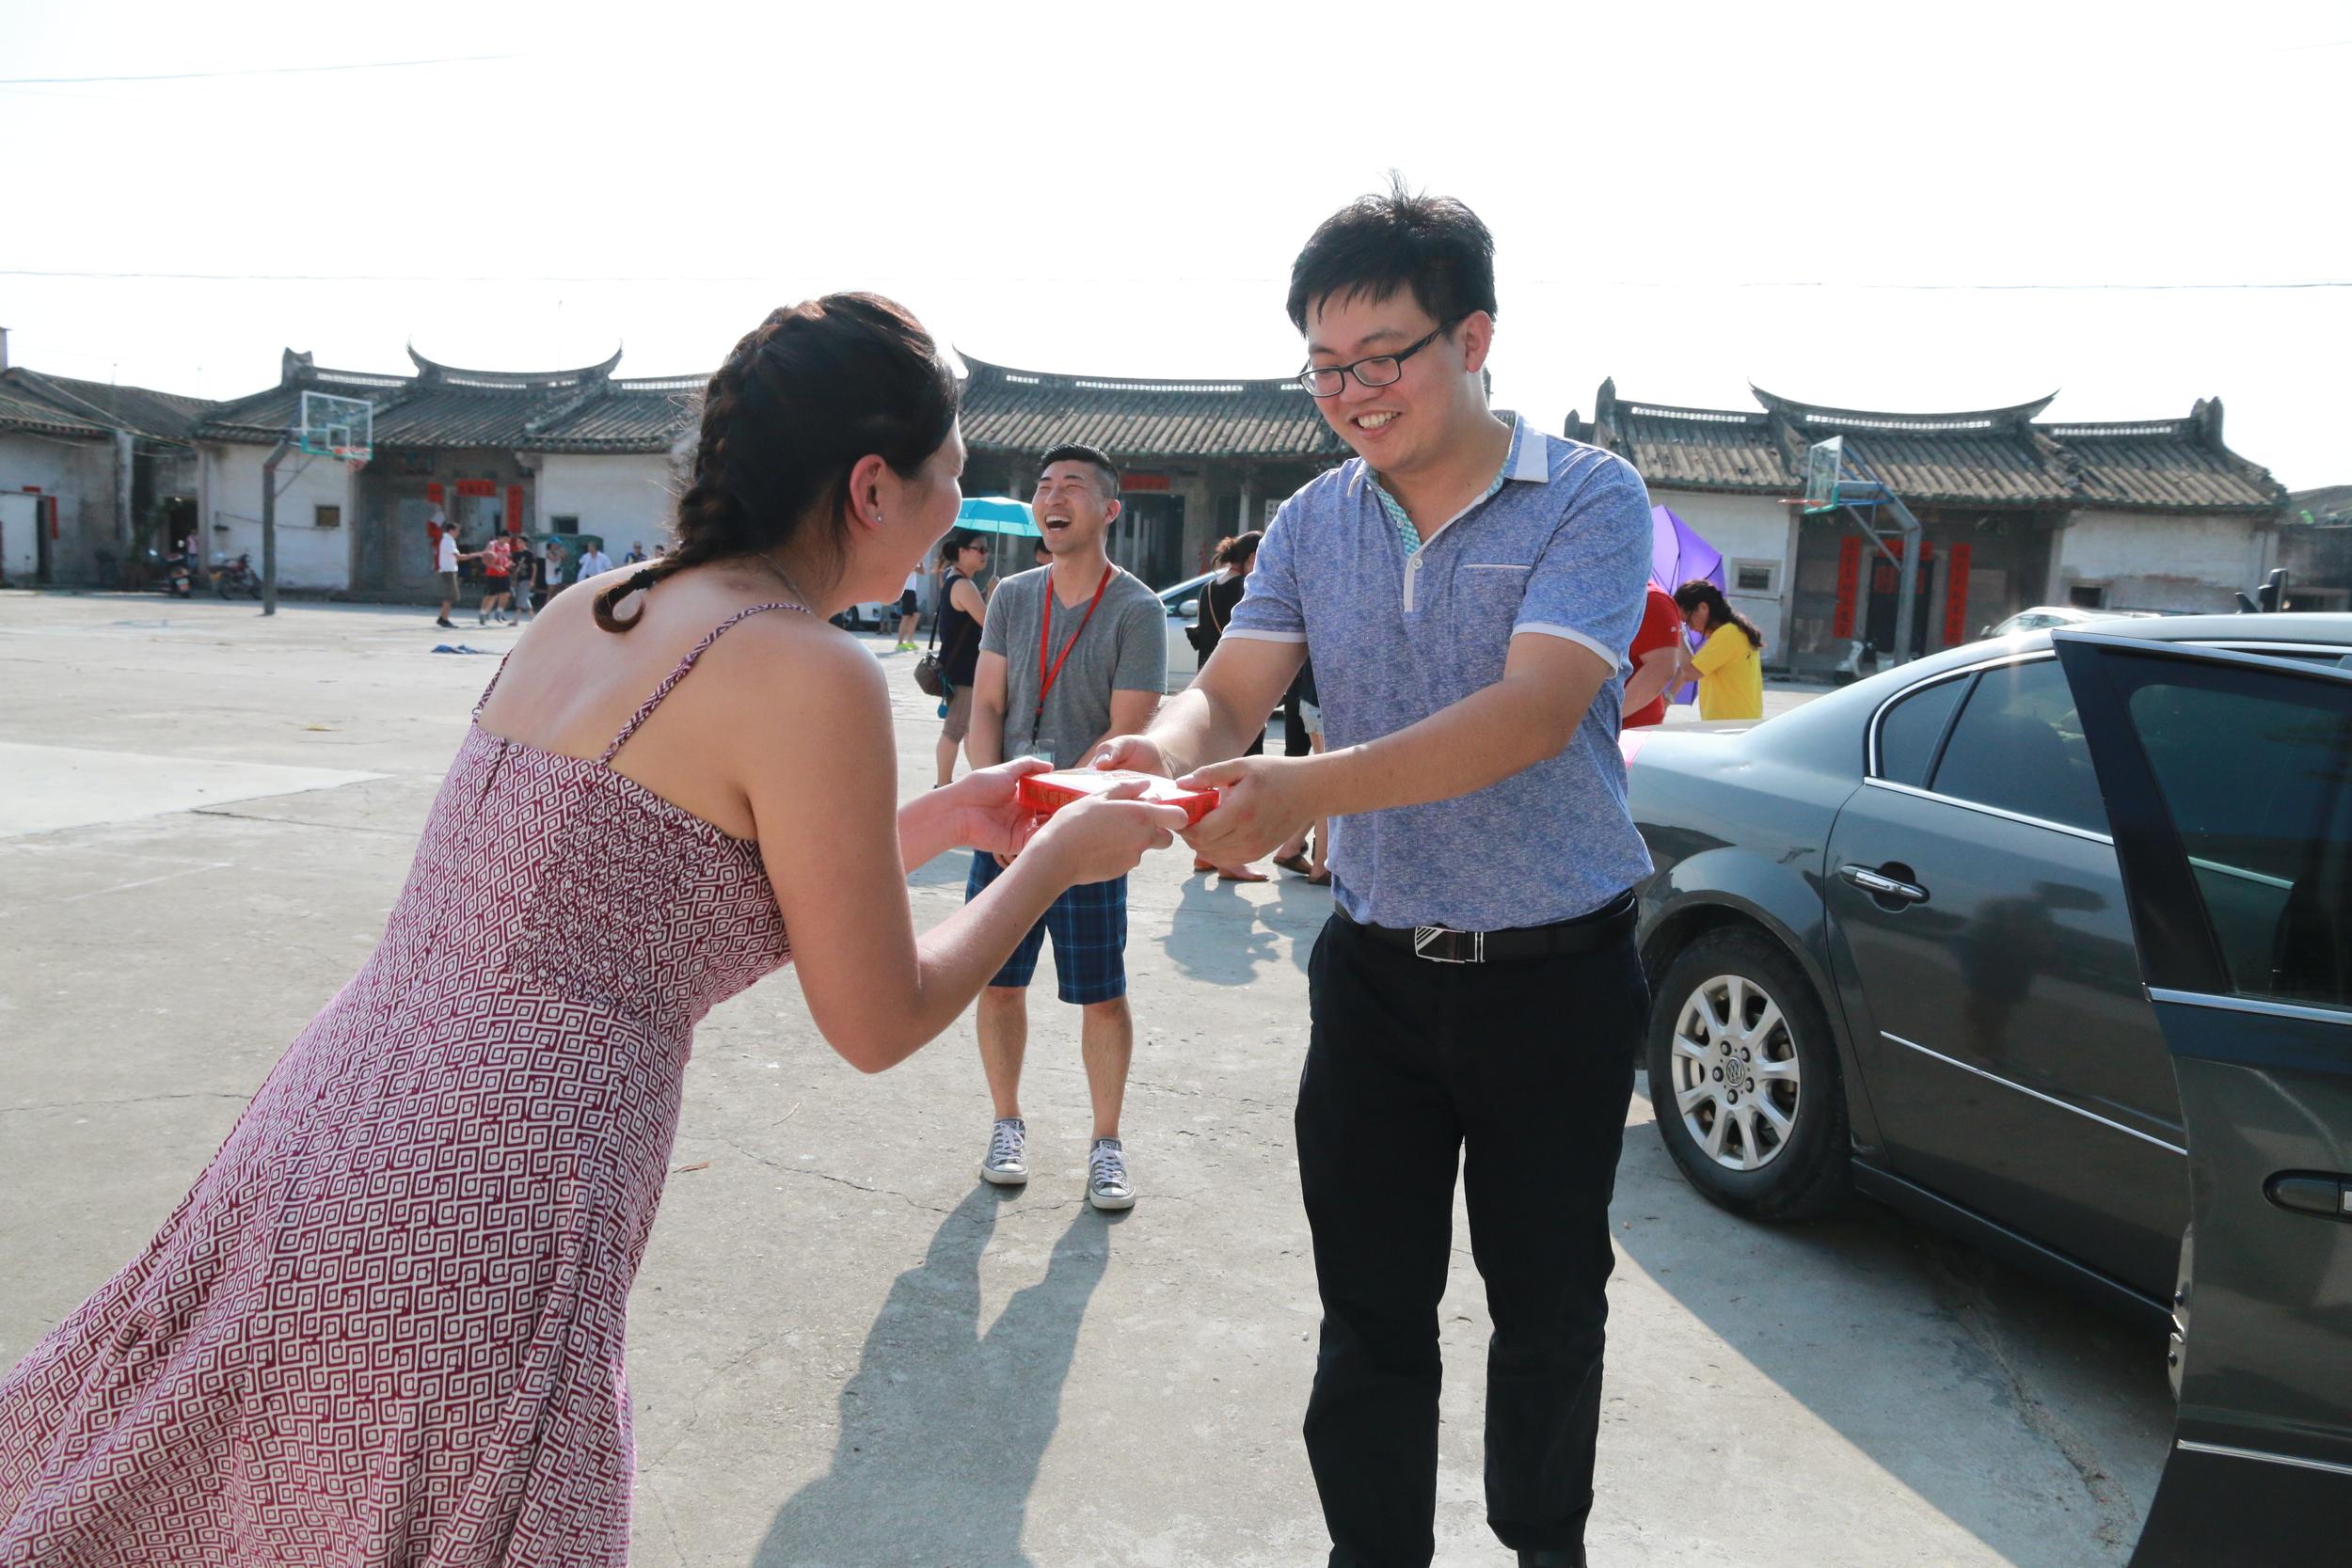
x=1849, y=580
x=476, y=487
x=432, y=491
x=1143, y=482
x=513, y=509
x=1956, y=596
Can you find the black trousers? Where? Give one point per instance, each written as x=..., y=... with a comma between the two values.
x=1522, y=1071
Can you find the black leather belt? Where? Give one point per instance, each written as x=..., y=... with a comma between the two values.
x=1587, y=933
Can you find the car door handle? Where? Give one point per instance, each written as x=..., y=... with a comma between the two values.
x=1880, y=885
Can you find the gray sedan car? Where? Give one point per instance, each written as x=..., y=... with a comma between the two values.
x=1892, y=953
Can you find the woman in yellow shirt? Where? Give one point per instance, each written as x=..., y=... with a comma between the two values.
x=1730, y=661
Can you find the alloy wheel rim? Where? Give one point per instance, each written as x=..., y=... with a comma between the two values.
x=1736, y=1081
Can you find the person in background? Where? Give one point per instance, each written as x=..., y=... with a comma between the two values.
x=1730, y=662
x=910, y=610
x=551, y=564
x=1306, y=848
x=1656, y=656
x=1234, y=559
x=592, y=560
x=497, y=558
x=444, y=540
x=956, y=630
x=524, y=576
x=1070, y=656
x=636, y=556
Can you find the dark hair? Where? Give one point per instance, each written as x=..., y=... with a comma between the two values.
x=1238, y=548
x=1376, y=245
x=803, y=396
x=1698, y=591
x=957, y=541
x=1072, y=452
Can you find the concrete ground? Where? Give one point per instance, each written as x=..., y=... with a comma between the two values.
x=845, y=1350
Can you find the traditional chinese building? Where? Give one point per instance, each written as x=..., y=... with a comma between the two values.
x=1200, y=459
x=2015, y=510
x=92, y=476
x=577, y=451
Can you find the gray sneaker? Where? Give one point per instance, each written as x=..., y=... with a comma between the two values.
x=1007, y=1144
x=1107, y=1186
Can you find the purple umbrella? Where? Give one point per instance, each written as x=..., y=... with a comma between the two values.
x=1678, y=555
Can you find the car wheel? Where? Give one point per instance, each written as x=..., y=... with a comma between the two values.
x=1744, y=1079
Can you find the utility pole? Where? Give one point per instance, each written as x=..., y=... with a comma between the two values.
x=269, y=524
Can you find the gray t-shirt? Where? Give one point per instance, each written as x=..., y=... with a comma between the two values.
x=1124, y=649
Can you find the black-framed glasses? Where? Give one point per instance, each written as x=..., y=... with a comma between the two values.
x=1380, y=369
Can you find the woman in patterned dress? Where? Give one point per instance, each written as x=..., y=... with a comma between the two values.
x=385, y=1324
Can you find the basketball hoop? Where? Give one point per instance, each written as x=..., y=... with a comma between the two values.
x=341, y=428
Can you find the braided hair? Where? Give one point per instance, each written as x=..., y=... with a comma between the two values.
x=804, y=397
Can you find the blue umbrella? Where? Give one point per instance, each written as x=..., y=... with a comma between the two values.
x=996, y=514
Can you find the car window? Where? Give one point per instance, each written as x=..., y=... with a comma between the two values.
x=1912, y=726
x=2017, y=745
x=2261, y=790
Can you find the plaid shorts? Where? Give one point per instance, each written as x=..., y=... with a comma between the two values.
x=1088, y=925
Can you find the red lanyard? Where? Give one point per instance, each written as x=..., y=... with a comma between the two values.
x=1045, y=635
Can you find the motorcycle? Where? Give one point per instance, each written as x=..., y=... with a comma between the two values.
x=179, y=575
x=237, y=576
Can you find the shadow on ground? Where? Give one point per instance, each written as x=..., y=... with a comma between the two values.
x=1216, y=935
x=2088, y=1389
x=941, y=1427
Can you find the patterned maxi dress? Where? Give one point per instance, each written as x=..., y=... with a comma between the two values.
x=386, y=1325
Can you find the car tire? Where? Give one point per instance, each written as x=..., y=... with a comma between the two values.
x=1744, y=1079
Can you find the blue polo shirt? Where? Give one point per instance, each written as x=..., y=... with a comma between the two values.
x=1560, y=548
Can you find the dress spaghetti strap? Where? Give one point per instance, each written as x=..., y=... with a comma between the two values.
x=646, y=709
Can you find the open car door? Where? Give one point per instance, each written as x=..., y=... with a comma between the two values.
x=2228, y=779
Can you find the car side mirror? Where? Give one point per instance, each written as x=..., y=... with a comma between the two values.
x=1188, y=610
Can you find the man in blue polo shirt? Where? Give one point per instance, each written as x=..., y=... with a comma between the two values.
x=1467, y=589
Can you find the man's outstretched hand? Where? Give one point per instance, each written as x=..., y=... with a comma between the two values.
x=1138, y=754
x=1265, y=803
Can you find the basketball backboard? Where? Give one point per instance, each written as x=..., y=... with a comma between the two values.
x=1823, y=461
x=338, y=427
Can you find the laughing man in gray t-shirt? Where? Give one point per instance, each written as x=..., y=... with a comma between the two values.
x=1072, y=652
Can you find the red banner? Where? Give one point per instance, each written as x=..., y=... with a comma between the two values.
x=476, y=487
x=513, y=509
x=432, y=491
x=1956, y=596
x=1849, y=580
x=1144, y=481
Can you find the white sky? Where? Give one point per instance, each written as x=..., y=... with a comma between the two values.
x=1119, y=189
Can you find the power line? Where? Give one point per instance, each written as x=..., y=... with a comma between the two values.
x=1548, y=282
x=257, y=70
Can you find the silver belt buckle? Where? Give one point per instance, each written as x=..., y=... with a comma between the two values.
x=1427, y=937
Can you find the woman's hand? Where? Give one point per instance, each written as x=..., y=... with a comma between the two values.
x=981, y=811
x=1102, y=836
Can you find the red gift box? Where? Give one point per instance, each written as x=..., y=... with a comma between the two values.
x=1047, y=792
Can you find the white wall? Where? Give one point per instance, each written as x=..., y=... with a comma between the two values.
x=2162, y=562
x=229, y=497
x=1744, y=528
x=80, y=474
x=627, y=497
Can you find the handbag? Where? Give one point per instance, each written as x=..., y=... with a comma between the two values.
x=1201, y=634
x=929, y=673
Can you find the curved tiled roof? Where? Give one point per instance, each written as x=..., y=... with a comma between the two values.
x=63, y=405
x=1015, y=410
x=1995, y=457
x=441, y=407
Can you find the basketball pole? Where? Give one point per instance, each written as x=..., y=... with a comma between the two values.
x=269, y=524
